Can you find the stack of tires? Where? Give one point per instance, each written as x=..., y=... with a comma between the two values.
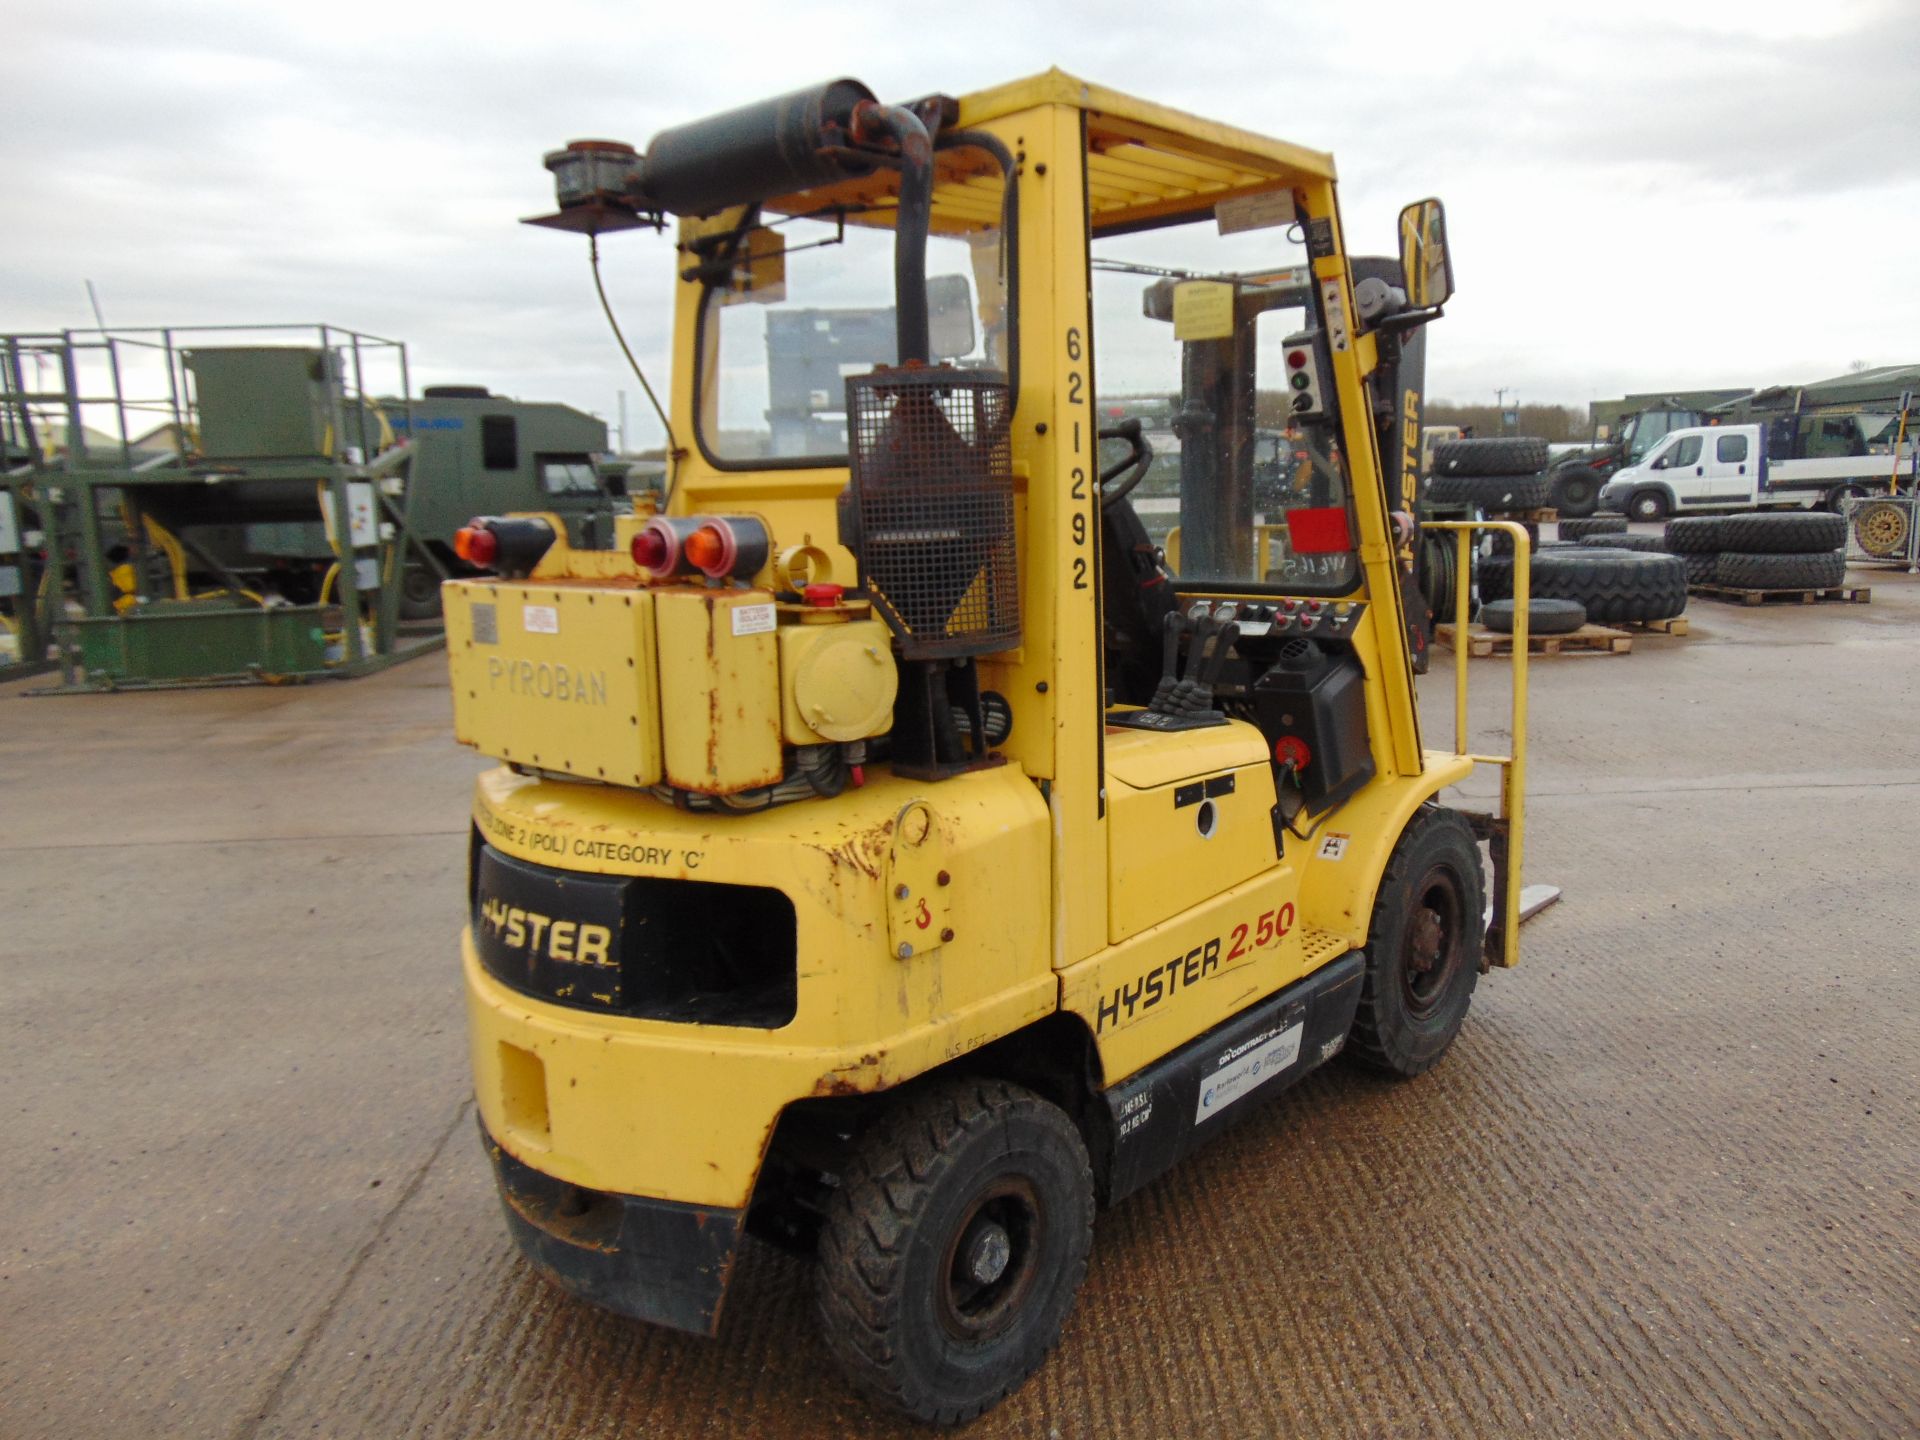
x=1791, y=550
x=1498, y=475
x=1611, y=583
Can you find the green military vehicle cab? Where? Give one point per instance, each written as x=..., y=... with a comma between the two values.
x=474, y=453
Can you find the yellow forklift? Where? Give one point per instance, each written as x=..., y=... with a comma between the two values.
x=893, y=855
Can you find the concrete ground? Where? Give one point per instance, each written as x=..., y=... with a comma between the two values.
x=1668, y=1181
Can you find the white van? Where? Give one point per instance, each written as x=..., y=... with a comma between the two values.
x=1726, y=467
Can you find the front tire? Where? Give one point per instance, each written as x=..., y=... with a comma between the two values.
x=1648, y=505
x=954, y=1247
x=1423, y=947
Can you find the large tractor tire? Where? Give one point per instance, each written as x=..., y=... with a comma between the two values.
x=1496, y=455
x=1702, y=569
x=1640, y=544
x=1799, y=532
x=1575, y=491
x=1423, y=946
x=1821, y=570
x=1495, y=493
x=1579, y=529
x=954, y=1247
x=1695, y=535
x=1614, y=587
x=1544, y=617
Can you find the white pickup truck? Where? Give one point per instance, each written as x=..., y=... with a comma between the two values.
x=1726, y=467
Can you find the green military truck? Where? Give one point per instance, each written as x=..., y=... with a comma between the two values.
x=474, y=453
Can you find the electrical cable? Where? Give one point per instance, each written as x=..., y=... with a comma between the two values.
x=673, y=449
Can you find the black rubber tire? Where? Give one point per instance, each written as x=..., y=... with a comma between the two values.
x=1544, y=617
x=1495, y=455
x=888, y=1282
x=1579, y=529
x=1821, y=570
x=419, y=594
x=1639, y=544
x=1490, y=492
x=1499, y=542
x=1575, y=491
x=1408, y=1016
x=1612, y=586
x=1496, y=578
x=1702, y=569
x=1695, y=535
x=1649, y=505
x=1836, y=501
x=1799, y=532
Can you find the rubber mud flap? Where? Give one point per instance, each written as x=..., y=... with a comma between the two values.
x=653, y=1260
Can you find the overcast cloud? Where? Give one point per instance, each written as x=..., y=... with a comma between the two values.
x=1639, y=194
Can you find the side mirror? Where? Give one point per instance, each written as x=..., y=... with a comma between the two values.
x=949, y=317
x=1424, y=260
x=1659, y=463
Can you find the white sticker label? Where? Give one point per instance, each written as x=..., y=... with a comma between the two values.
x=1255, y=212
x=753, y=619
x=541, y=619
x=1334, y=847
x=1336, y=314
x=1245, y=1072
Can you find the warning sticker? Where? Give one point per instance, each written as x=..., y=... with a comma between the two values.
x=753, y=619
x=540, y=619
x=1255, y=212
x=1244, y=1073
x=1334, y=846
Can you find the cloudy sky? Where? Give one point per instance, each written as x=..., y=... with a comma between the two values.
x=1640, y=194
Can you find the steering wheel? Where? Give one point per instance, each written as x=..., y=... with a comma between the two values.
x=1112, y=487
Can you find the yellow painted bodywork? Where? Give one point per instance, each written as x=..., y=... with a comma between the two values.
x=578, y=697
x=719, y=688
x=837, y=681
x=1075, y=882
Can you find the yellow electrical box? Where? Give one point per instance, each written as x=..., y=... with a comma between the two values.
x=837, y=681
x=556, y=677
x=1188, y=815
x=719, y=688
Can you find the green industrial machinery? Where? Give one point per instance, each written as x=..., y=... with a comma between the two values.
x=136, y=456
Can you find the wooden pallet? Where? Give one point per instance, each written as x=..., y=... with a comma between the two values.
x=1676, y=627
x=1835, y=594
x=1587, y=640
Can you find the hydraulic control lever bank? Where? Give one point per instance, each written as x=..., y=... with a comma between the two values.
x=953, y=805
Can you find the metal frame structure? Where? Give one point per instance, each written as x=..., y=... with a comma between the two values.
x=76, y=485
x=1906, y=553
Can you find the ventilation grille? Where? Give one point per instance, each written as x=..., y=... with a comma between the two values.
x=931, y=497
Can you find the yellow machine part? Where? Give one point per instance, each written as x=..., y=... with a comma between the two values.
x=1188, y=815
x=555, y=676
x=837, y=681
x=683, y=1111
x=719, y=688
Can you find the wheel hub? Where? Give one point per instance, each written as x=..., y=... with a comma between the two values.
x=985, y=1252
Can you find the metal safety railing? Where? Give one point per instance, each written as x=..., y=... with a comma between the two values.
x=1506, y=835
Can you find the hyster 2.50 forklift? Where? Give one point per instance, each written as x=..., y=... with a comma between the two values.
x=894, y=853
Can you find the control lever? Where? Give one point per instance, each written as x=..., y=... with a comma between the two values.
x=1171, y=631
x=1180, y=699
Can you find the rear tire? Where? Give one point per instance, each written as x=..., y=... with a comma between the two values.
x=1423, y=947
x=954, y=1247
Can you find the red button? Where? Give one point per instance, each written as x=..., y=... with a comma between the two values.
x=824, y=596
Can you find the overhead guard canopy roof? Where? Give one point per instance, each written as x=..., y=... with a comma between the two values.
x=1146, y=163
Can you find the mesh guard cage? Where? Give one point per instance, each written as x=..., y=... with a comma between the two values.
x=931, y=491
